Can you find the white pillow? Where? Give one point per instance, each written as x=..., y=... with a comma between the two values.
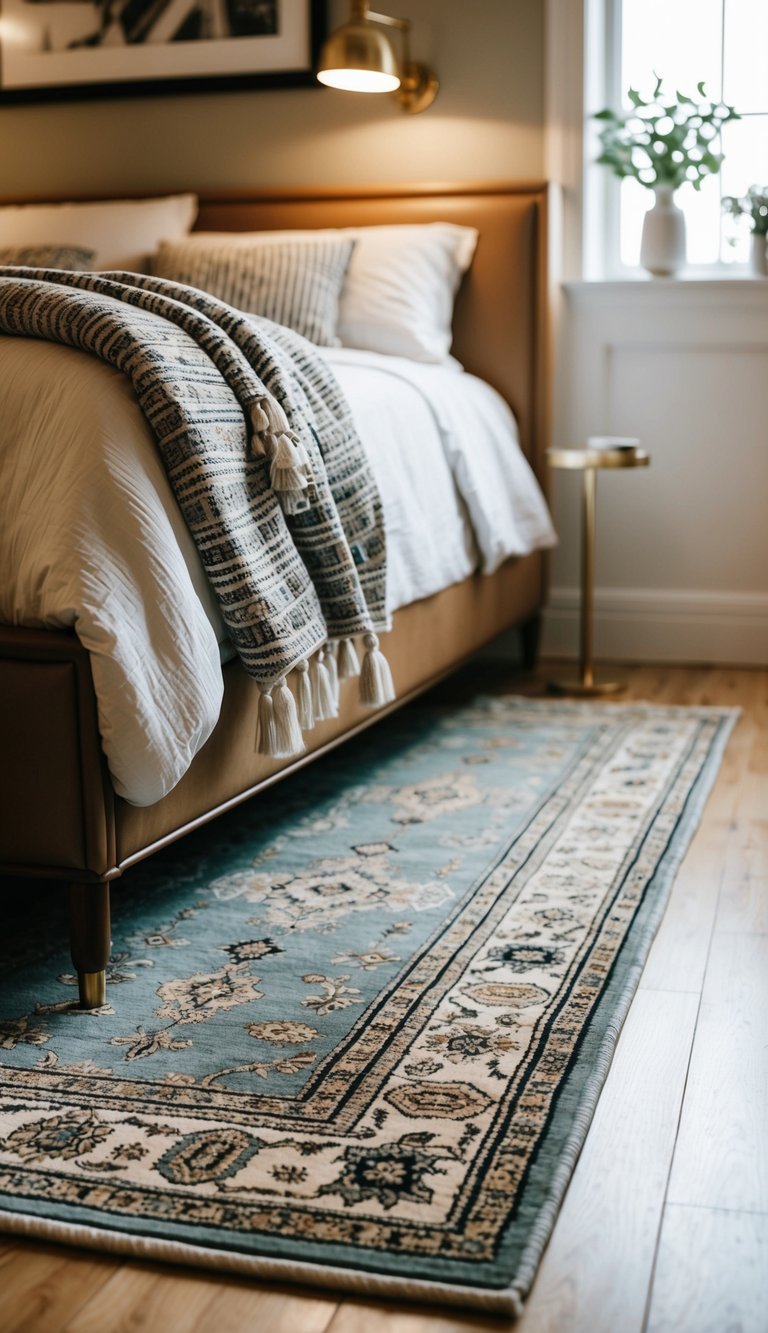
x=121, y=232
x=401, y=286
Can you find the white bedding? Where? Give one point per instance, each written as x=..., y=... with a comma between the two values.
x=91, y=537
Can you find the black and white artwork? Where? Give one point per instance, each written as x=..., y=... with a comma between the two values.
x=65, y=26
x=54, y=48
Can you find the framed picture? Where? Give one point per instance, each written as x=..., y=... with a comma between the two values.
x=109, y=48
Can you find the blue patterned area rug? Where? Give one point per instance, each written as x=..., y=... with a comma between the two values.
x=357, y=1029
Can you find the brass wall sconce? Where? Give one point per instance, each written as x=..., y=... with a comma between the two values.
x=358, y=57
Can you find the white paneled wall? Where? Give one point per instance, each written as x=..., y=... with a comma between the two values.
x=682, y=548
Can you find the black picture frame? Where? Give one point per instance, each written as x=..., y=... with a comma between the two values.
x=307, y=18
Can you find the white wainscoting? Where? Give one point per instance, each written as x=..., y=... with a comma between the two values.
x=682, y=547
x=664, y=625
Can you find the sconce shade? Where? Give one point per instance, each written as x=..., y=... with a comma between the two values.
x=359, y=58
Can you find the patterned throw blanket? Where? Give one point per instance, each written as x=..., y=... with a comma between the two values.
x=261, y=452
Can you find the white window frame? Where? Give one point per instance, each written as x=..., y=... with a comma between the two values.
x=583, y=74
x=575, y=89
x=602, y=190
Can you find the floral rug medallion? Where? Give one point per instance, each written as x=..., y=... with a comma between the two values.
x=356, y=1029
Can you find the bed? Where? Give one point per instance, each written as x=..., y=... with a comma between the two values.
x=62, y=814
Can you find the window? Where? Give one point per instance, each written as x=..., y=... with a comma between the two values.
x=723, y=43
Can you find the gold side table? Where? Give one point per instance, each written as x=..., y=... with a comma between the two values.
x=588, y=462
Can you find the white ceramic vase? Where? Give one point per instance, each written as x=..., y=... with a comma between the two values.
x=758, y=254
x=662, y=250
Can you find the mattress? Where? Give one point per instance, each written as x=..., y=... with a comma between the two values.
x=92, y=538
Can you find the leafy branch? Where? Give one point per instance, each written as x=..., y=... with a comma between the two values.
x=662, y=141
x=753, y=204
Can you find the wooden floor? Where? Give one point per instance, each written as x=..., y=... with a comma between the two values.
x=665, y=1226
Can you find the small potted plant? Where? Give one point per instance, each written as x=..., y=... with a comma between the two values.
x=664, y=142
x=753, y=205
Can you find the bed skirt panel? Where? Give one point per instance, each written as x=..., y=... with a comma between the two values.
x=429, y=638
x=60, y=815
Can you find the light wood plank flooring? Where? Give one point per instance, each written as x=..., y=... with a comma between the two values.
x=665, y=1225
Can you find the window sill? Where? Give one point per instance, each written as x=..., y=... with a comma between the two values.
x=689, y=289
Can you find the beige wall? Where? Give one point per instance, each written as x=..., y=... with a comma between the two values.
x=486, y=123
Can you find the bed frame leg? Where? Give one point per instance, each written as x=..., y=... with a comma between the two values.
x=90, y=939
x=530, y=638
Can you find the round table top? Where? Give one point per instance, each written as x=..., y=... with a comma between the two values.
x=625, y=456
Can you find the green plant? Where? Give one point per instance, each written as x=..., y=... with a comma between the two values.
x=753, y=204
x=663, y=141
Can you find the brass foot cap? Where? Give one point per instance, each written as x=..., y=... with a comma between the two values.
x=93, y=989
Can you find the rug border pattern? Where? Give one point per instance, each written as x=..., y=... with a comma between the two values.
x=505, y=1300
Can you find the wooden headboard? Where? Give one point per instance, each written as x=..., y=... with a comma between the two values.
x=501, y=324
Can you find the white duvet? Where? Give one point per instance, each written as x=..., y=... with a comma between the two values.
x=91, y=537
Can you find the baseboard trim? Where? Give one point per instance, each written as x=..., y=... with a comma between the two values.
x=663, y=625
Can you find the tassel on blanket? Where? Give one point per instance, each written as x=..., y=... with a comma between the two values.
x=267, y=738
x=323, y=702
x=333, y=672
x=376, y=686
x=259, y=418
x=259, y=433
x=348, y=662
x=288, y=468
x=304, y=697
x=289, y=472
x=268, y=417
x=279, y=731
x=288, y=735
x=272, y=438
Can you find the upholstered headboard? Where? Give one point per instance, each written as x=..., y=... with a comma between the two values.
x=500, y=326
x=501, y=320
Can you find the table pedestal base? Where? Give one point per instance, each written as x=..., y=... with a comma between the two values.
x=585, y=690
x=622, y=454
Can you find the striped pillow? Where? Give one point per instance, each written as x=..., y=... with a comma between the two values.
x=75, y=257
x=296, y=283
